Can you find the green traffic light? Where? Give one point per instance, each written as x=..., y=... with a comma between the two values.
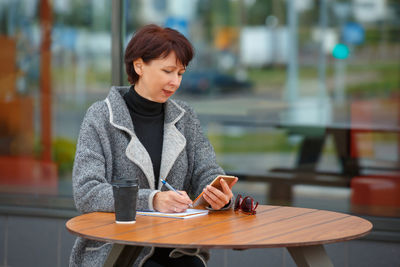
x=341, y=51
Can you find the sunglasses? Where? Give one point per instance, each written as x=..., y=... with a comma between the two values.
x=247, y=204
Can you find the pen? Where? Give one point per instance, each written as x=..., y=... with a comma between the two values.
x=171, y=188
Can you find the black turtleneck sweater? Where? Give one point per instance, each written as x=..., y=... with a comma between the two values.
x=148, y=122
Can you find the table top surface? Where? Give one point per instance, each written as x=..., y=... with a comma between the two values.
x=272, y=226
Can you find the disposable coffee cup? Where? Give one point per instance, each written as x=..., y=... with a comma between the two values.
x=125, y=197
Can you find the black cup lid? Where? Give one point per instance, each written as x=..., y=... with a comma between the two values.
x=122, y=182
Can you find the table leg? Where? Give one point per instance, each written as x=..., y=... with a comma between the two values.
x=122, y=255
x=342, y=140
x=310, y=256
x=279, y=193
x=310, y=152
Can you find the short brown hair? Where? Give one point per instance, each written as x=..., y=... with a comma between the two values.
x=152, y=42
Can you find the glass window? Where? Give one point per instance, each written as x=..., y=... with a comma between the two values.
x=55, y=62
x=305, y=92
x=292, y=88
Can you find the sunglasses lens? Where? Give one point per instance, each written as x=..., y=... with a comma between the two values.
x=237, y=202
x=247, y=204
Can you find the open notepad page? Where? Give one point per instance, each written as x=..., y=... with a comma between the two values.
x=189, y=213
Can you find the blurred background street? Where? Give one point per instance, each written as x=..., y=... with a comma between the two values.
x=299, y=98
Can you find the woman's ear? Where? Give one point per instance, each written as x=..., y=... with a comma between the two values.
x=138, y=66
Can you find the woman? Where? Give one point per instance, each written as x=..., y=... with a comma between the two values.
x=139, y=132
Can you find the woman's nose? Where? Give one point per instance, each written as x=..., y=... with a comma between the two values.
x=176, y=80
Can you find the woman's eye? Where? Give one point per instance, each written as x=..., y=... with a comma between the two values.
x=170, y=71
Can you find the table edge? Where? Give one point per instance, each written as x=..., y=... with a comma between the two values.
x=223, y=246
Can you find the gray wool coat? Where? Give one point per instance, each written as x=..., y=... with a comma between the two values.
x=108, y=148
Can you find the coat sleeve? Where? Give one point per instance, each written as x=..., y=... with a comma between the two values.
x=91, y=190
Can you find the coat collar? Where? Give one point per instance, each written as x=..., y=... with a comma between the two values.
x=119, y=113
x=173, y=143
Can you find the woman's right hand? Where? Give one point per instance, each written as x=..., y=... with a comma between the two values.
x=170, y=201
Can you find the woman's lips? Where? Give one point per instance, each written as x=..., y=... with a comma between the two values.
x=168, y=93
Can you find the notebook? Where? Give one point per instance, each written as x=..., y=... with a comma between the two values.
x=189, y=213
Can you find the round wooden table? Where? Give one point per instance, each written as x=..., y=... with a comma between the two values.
x=302, y=231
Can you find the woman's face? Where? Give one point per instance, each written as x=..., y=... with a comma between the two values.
x=158, y=79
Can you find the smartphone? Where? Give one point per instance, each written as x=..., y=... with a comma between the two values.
x=200, y=201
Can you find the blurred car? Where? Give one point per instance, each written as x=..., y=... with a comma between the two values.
x=210, y=82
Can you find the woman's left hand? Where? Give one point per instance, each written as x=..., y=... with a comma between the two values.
x=217, y=198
